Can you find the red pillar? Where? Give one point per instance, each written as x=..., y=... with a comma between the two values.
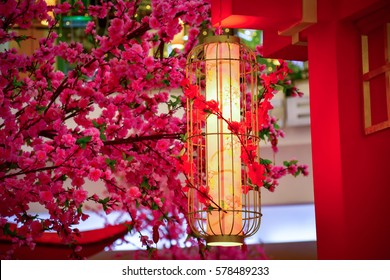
x=325, y=116
x=351, y=170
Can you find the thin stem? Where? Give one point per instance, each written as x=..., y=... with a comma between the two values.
x=134, y=139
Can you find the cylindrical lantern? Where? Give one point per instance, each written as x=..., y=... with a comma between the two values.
x=223, y=141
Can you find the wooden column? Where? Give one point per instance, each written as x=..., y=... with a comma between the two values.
x=351, y=169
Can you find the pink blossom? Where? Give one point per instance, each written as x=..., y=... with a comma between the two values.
x=304, y=169
x=134, y=192
x=8, y=7
x=158, y=201
x=44, y=178
x=193, y=32
x=149, y=63
x=94, y=174
x=154, y=23
x=41, y=155
x=163, y=145
x=110, y=111
x=62, y=8
x=45, y=196
x=161, y=180
x=292, y=169
x=116, y=28
x=256, y=173
x=145, y=240
x=90, y=28
x=99, y=11
x=80, y=196
x=259, y=49
x=68, y=139
x=278, y=172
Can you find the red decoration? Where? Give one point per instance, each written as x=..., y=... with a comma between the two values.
x=49, y=246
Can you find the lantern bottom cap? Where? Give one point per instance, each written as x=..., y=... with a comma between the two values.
x=225, y=240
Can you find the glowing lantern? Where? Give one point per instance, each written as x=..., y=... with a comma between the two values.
x=222, y=127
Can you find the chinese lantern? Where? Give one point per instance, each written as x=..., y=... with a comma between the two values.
x=223, y=141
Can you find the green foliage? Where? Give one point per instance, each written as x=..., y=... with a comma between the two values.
x=104, y=203
x=149, y=76
x=174, y=102
x=264, y=161
x=83, y=141
x=16, y=83
x=111, y=163
x=8, y=231
x=40, y=109
x=128, y=158
x=145, y=184
x=21, y=38
x=102, y=129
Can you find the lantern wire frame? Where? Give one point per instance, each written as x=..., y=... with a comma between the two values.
x=242, y=214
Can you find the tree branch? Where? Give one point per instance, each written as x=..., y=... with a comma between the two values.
x=134, y=139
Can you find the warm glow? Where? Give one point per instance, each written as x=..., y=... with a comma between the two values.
x=224, y=244
x=178, y=40
x=223, y=148
x=177, y=46
x=49, y=3
x=223, y=75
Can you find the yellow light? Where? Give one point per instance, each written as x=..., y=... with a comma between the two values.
x=148, y=7
x=223, y=148
x=49, y=3
x=178, y=40
x=45, y=22
x=177, y=46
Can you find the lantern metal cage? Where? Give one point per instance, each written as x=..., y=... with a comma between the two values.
x=224, y=207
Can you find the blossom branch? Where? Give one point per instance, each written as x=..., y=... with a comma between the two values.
x=134, y=139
